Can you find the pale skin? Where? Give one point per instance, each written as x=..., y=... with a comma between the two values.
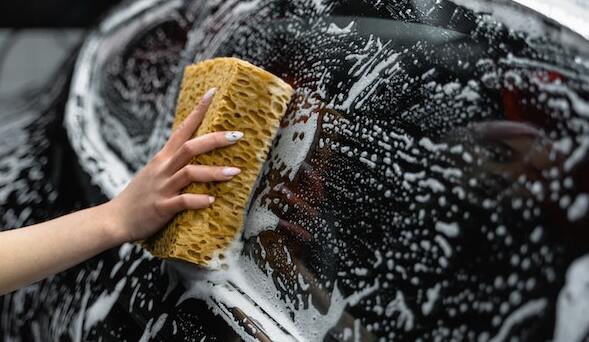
x=151, y=200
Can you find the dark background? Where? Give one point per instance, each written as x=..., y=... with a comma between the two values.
x=52, y=13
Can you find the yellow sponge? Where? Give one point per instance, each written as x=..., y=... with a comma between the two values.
x=250, y=100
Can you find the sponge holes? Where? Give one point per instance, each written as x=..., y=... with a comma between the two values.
x=245, y=143
x=266, y=132
x=243, y=94
x=242, y=81
x=239, y=160
x=258, y=118
x=259, y=142
x=249, y=121
x=259, y=113
x=229, y=104
x=278, y=106
x=194, y=254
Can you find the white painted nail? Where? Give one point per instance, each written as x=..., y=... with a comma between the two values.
x=234, y=136
x=211, y=199
x=231, y=171
x=209, y=94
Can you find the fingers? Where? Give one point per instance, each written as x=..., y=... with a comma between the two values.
x=200, y=145
x=187, y=128
x=187, y=202
x=200, y=173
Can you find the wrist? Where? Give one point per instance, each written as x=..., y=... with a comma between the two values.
x=113, y=226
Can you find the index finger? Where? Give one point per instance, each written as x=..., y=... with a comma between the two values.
x=186, y=129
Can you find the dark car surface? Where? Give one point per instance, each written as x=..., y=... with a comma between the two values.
x=430, y=181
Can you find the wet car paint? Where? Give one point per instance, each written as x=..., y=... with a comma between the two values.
x=428, y=183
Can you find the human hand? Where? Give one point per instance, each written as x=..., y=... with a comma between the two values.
x=154, y=195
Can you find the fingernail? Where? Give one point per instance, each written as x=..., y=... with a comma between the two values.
x=234, y=136
x=231, y=171
x=211, y=199
x=209, y=94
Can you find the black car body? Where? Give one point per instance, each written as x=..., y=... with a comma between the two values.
x=430, y=181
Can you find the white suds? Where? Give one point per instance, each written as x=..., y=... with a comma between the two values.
x=103, y=304
x=579, y=208
x=152, y=329
x=449, y=229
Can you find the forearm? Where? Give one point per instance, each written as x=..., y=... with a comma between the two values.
x=36, y=252
x=151, y=200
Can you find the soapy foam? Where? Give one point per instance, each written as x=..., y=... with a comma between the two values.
x=98, y=310
x=396, y=153
x=572, y=323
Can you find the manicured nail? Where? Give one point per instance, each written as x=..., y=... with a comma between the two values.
x=209, y=94
x=231, y=171
x=211, y=199
x=234, y=136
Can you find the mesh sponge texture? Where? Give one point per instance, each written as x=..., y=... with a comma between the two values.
x=250, y=100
